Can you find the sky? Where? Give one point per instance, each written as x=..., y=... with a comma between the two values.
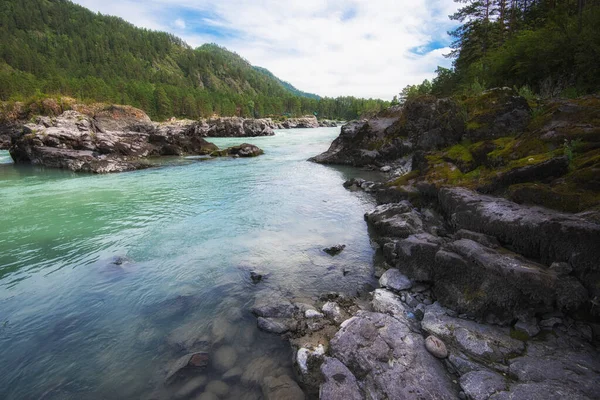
x=362, y=48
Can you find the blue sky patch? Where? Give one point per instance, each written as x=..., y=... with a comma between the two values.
x=199, y=22
x=349, y=14
x=428, y=47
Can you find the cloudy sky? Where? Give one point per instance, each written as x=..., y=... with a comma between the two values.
x=365, y=48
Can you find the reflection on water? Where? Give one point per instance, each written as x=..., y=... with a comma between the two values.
x=106, y=281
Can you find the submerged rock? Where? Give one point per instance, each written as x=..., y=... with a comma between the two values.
x=224, y=358
x=281, y=388
x=335, y=250
x=277, y=325
x=189, y=362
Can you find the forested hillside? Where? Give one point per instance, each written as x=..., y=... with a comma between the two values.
x=545, y=47
x=57, y=48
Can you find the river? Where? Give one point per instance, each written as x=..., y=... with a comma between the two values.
x=98, y=271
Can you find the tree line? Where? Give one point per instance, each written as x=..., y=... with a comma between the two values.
x=547, y=47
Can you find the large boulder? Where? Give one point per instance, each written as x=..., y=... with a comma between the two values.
x=234, y=127
x=477, y=280
x=389, y=359
x=179, y=137
x=535, y=232
x=79, y=142
x=326, y=123
x=242, y=150
x=399, y=220
x=552, y=168
x=308, y=121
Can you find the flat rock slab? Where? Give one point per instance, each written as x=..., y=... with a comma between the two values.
x=534, y=232
x=389, y=359
x=479, y=385
x=485, y=342
x=340, y=383
x=473, y=279
x=571, y=368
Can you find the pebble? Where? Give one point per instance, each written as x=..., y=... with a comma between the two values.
x=313, y=314
x=436, y=347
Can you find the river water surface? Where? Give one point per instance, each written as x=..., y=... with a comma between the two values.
x=102, y=275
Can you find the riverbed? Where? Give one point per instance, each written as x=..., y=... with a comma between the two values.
x=99, y=274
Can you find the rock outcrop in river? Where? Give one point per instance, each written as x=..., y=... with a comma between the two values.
x=234, y=127
x=308, y=121
x=116, y=139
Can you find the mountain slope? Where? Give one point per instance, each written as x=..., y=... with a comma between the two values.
x=287, y=85
x=59, y=48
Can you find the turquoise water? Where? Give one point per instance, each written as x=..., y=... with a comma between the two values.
x=73, y=324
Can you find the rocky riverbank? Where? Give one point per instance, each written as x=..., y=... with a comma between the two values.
x=480, y=297
x=462, y=311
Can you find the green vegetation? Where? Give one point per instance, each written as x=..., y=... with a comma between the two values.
x=56, y=48
x=547, y=47
x=568, y=128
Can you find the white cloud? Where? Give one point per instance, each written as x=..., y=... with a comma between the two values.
x=330, y=47
x=179, y=23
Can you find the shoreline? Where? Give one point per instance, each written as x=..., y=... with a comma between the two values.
x=434, y=351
